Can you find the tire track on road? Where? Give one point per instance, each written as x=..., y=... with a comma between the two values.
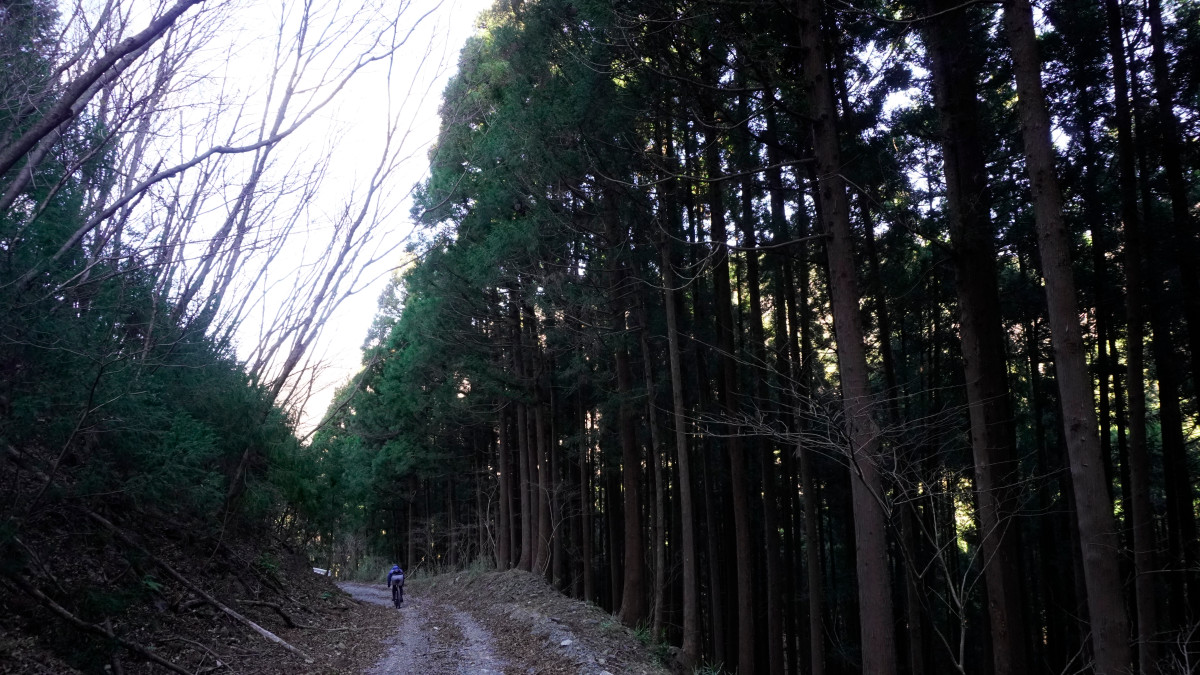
x=431, y=638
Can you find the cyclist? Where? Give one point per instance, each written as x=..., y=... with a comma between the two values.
x=395, y=581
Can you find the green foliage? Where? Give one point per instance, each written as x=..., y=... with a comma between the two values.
x=111, y=401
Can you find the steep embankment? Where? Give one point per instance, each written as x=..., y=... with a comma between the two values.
x=218, y=618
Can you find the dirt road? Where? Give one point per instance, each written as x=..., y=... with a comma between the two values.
x=510, y=623
x=432, y=638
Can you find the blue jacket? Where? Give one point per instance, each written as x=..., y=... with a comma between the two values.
x=398, y=576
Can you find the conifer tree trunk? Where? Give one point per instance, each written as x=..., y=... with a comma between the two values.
x=690, y=646
x=539, y=465
x=716, y=581
x=633, y=608
x=1179, y=485
x=544, y=486
x=796, y=345
x=514, y=484
x=1164, y=301
x=1097, y=529
x=633, y=588
x=482, y=524
x=870, y=527
x=766, y=455
x=722, y=305
x=586, y=501
x=784, y=327
x=558, y=531
x=1141, y=518
x=691, y=624
x=613, y=528
x=907, y=530
x=525, y=560
x=411, y=539
x=658, y=604
x=1177, y=187
x=955, y=64
x=503, y=545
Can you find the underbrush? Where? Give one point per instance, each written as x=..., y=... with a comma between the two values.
x=370, y=569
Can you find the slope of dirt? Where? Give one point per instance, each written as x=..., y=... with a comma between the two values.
x=533, y=628
x=277, y=592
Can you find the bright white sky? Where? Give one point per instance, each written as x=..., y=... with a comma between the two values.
x=448, y=29
x=350, y=134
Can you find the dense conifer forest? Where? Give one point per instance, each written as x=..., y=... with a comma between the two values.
x=808, y=337
x=804, y=337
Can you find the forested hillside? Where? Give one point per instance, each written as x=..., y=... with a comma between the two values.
x=150, y=203
x=810, y=337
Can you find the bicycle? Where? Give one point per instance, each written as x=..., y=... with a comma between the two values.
x=398, y=593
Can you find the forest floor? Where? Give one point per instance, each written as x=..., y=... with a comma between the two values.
x=502, y=622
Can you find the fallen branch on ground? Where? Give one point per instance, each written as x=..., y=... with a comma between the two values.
x=196, y=589
x=79, y=623
x=216, y=657
x=18, y=459
x=287, y=618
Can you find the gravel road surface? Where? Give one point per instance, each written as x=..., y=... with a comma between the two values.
x=431, y=638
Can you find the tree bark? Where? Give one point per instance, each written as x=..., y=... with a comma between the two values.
x=633, y=596
x=727, y=384
x=955, y=64
x=766, y=453
x=690, y=646
x=1179, y=485
x=1141, y=517
x=586, y=500
x=525, y=561
x=503, y=531
x=544, y=488
x=658, y=605
x=870, y=523
x=691, y=624
x=1097, y=529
